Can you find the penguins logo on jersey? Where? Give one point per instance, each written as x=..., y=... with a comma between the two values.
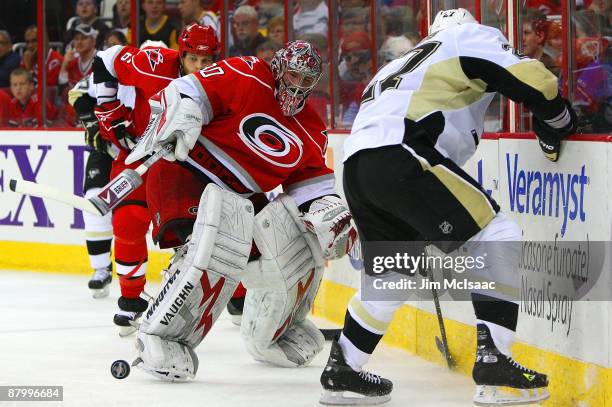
x=155, y=58
x=270, y=140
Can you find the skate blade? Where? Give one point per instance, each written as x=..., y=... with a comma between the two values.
x=127, y=330
x=236, y=319
x=100, y=292
x=508, y=396
x=348, y=398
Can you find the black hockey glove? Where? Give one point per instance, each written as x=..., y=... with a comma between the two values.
x=92, y=133
x=550, y=137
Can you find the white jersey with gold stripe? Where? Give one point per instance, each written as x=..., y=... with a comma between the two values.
x=440, y=90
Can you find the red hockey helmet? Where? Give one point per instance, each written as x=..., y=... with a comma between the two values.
x=199, y=40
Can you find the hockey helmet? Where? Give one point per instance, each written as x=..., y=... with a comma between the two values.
x=297, y=70
x=199, y=40
x=450, y=18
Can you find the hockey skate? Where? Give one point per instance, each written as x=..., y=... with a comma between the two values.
x=234, y=308
x=100, y=282
x=344, y=386
x=500, y=380
x=130, y=310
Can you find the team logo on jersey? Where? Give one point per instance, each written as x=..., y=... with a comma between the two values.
x=446, y=227
x=155, y=58
x=270, y=140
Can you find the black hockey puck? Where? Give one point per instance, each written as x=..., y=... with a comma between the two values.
x=12, y=185
x=120, y=369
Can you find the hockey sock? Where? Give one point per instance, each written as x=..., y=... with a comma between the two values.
x=500, y=317
x=98, y=235
x=131, y=223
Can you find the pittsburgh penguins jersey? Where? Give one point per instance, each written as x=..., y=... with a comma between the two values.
x=440, y=91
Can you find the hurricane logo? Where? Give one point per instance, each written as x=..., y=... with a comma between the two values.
x=271, y=140
x=155, y=58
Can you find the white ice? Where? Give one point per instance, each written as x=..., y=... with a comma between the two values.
x=53, y=332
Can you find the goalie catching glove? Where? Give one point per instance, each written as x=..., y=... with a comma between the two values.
x=330, y=220
x=550, y=132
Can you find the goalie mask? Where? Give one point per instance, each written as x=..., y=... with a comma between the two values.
x=297, y=70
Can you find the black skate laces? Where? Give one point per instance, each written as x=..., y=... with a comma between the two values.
x=370, y=377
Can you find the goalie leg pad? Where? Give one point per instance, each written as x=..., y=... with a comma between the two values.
x=195, y=295
x=281, y=287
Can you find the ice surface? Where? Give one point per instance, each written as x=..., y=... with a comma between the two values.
x=54, y=333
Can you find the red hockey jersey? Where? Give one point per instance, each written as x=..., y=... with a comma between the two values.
x=148, y=71
x=27, y=115
x=247, y=144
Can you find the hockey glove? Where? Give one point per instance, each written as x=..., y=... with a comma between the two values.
x=92, y=132
x=551, y=132
x=114, y=121
x=330, y=220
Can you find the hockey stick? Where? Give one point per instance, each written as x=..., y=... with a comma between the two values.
x=441, y=344
x=101, y=204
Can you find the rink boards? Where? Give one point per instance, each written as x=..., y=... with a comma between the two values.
x=569, y=340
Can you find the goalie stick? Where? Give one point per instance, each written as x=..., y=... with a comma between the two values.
x=101, y=204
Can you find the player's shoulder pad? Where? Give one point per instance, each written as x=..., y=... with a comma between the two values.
x=251, y=67
x=108, y=56
x=156, y=61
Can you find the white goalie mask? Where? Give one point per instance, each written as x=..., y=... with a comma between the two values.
x=297, y=70
x=450, y=18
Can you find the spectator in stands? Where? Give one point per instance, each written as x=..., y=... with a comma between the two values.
x=266, y=51
x=29, y=59
x=355, y=72
x=593, y=74
x=547, y=7
x=356, y=58
x=276, y=30
x=9, y=59
x=193, y=11
x=87, y=13
x=157, y=25
x=604, y=9
x=245, y=24
x=5, y=101
x=121, y=17
x=354, y=20
x=394, y=47
x=312, y=16
x=396, y=21
x=535, y=33
x=269, y=9
x=114, y=37
x=79, y=57
x=24, y=107
x=346, y=4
